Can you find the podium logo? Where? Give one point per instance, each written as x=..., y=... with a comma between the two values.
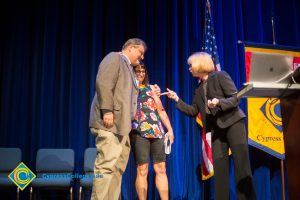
x=22, y=176
x=271, y=110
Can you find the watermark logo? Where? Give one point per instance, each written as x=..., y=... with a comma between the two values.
x=22, y=176
x=72, y=176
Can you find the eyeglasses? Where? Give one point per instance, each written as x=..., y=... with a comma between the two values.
x=140, y=71
x=142, y=52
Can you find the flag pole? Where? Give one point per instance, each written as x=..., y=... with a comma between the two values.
x=208, y=5
x=282, y=179
x=281, y=160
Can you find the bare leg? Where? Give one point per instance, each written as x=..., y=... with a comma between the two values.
x=161, y=180
x=141, y=184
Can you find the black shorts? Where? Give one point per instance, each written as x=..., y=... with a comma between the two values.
x=143, y=147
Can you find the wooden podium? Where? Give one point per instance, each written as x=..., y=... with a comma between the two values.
x=290, y=113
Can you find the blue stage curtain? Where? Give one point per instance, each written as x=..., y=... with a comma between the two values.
x=51, y=49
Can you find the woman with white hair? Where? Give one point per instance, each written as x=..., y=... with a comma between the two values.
x=216, y=99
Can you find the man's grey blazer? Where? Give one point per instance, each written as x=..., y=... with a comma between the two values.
x=117, y=91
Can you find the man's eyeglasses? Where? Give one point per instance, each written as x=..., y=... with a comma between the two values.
x=140, y=50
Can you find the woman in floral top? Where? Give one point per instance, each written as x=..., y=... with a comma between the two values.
x=147, y=137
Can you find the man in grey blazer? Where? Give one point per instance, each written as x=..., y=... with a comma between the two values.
x=113, y=107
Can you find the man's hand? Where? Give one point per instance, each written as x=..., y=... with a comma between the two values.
x=108, y=119
x=213, y=103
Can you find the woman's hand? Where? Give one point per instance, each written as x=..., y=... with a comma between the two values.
x=169, y=135
x=156, y=89
x=172, y=95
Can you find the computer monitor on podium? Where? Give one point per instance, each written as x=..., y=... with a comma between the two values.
x=270, y=76
x=270, y=67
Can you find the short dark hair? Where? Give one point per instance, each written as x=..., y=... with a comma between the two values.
x=142, y=66
x=134, y=41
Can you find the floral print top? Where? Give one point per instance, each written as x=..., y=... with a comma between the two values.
x=147, y=120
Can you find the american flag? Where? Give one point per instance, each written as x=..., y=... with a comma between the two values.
x=209, y=46
x=209, y=39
